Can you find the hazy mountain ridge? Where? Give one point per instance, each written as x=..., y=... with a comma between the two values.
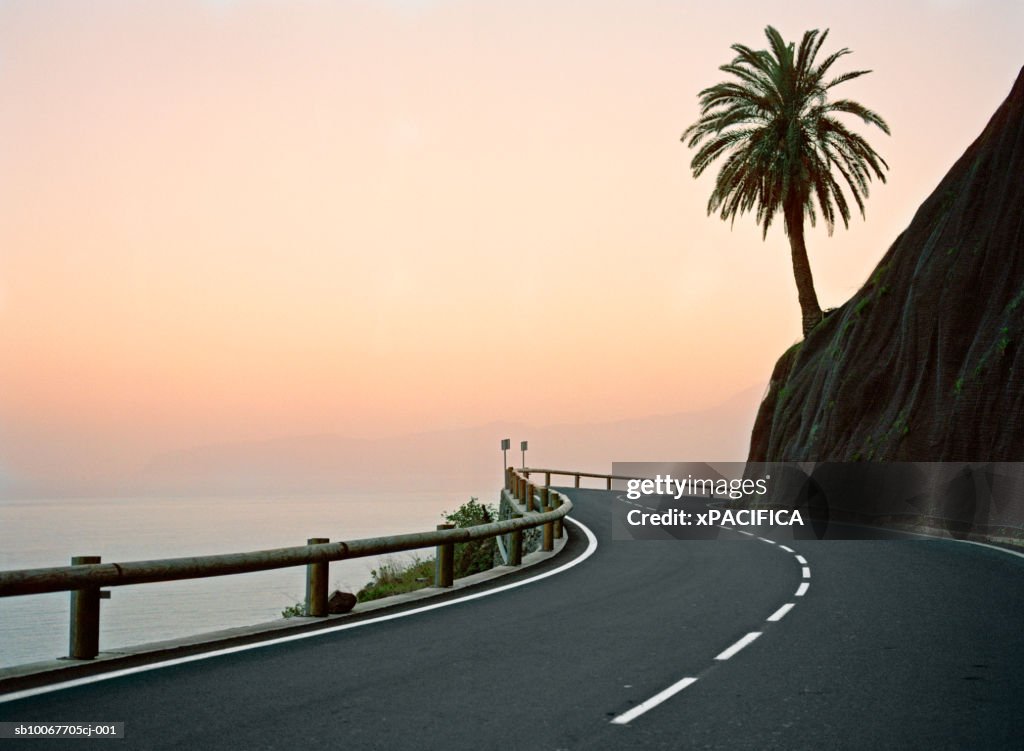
x=455, y=459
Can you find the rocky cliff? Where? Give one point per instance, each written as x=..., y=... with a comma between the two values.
x=925, y=362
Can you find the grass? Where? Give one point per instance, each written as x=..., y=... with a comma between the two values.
x=394, y=577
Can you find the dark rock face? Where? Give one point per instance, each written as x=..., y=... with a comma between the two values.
x=926, y=361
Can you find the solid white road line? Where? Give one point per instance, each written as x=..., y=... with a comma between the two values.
x=654, y=701
x=802, y=589
x=738, y=645
x=778, y=614
x=992, y=547
x=967, y=542
x=24, y=694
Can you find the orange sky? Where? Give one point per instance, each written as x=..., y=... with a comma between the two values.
x=239, y=220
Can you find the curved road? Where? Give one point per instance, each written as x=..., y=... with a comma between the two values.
x=644, y=645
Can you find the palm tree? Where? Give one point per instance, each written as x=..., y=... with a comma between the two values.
x=783, y=144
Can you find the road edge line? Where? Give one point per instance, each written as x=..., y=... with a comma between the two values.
x=87, y=680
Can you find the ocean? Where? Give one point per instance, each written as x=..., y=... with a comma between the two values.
x=36, y=533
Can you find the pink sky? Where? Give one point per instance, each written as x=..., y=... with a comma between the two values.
x=241, y=220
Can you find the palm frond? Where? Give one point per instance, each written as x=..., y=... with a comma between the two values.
x=846, y=77
x=778, y=138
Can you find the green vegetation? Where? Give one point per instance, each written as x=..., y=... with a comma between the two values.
x=884, y=444
x=477, y=555
x=1004, y=340
x=879, y=274
x=995, y=353
x=785, y=392
x=782, y=141
x=900, y=427
x=1015, y=302
x=394, y=576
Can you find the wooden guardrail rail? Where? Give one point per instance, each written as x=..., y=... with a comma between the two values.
x=86, y=575
x=548, y=473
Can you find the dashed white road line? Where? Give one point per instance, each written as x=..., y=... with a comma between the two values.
x=780, y=613
x=654, y=701
x=730, y=651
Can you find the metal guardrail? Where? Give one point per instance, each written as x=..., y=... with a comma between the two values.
x=86, y=575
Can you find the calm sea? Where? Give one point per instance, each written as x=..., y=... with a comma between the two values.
x=37, y=533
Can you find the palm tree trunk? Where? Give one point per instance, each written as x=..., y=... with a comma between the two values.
x=809, y=308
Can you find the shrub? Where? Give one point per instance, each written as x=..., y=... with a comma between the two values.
x=393, y=576
x=477, y=555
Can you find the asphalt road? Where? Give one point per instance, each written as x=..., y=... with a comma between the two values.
x=886, y=645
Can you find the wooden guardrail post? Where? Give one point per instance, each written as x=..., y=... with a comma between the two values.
x=508, y=478
x=84, y=637
x=577, y=481
x=515, y=555
x=316, y=583
x=444, y=561
x=547, y=478
x=544, y=495
x=549, y=534
x=608, y=485
x=529, y=496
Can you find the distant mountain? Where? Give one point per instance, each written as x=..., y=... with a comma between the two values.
x=450, y=459
x=926, y=361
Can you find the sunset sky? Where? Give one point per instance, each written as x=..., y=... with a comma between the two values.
x=232, y=220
